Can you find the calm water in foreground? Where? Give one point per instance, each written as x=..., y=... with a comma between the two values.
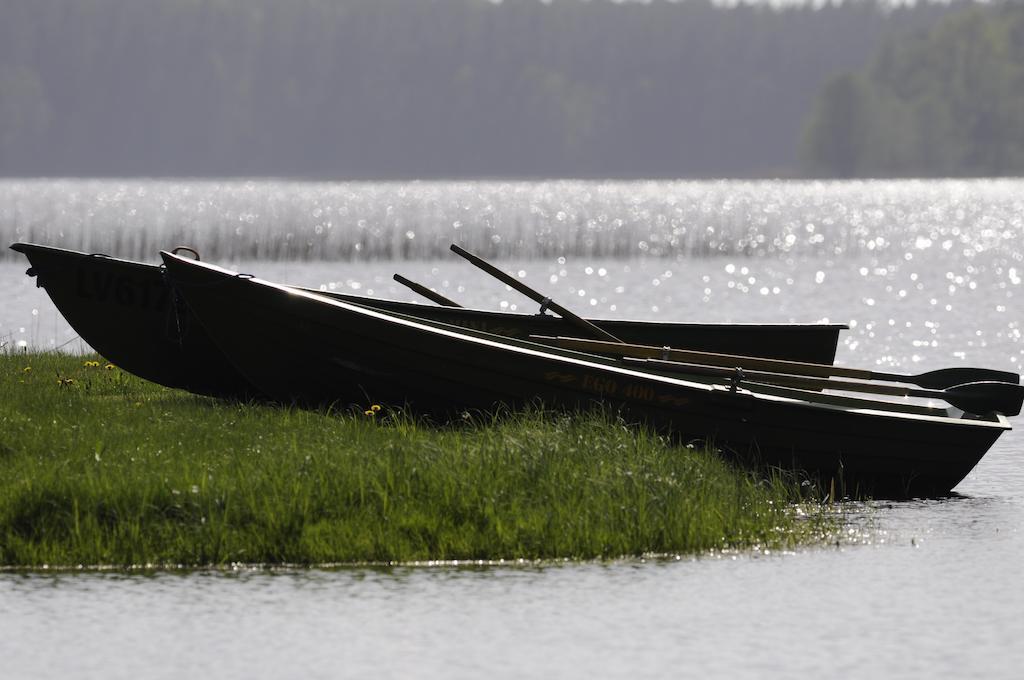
x=927, y=274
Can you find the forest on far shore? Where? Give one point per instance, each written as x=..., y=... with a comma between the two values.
x=400, y=89
x=949, y=102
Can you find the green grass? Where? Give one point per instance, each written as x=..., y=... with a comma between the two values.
x=98, y=467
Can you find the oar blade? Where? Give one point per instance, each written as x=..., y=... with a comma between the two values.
x=961, y=375
x=987, y=396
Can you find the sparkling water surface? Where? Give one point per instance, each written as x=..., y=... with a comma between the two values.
x=928, y=274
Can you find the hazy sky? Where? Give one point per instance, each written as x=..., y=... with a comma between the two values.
x=364, y=89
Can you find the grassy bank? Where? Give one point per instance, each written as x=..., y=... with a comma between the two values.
x=100, y=468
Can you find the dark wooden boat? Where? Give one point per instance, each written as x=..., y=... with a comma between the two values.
x=304, y=347
x=124, y=311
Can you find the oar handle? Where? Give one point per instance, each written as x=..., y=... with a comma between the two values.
x=545, y=302
x=426, y=292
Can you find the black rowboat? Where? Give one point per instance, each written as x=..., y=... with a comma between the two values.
x=124, y=311
x=303, y=347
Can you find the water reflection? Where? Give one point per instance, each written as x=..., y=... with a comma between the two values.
x=927, y=600
x=274, y=220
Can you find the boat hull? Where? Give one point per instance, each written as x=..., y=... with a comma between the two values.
x=124, y=311
x=301, y=347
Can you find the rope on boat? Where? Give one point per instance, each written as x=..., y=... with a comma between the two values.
x=177, y=332
x=65, y=344
x=186, y=249
x=736, y=378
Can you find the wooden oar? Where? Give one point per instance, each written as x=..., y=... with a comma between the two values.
x=426, y=292
x=939, y=379
x=974, y=397
x=545, y=302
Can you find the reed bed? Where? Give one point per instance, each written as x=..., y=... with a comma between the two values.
x=98, y=467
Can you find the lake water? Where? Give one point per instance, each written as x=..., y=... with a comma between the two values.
x=928, y=274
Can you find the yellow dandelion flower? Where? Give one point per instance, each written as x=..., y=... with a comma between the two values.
x=375, y=408
x=27, y=369
x=369, y=412
x=110, y=367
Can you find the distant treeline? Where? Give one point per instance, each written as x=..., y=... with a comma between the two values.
x=949, y=102
x=455, y=88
